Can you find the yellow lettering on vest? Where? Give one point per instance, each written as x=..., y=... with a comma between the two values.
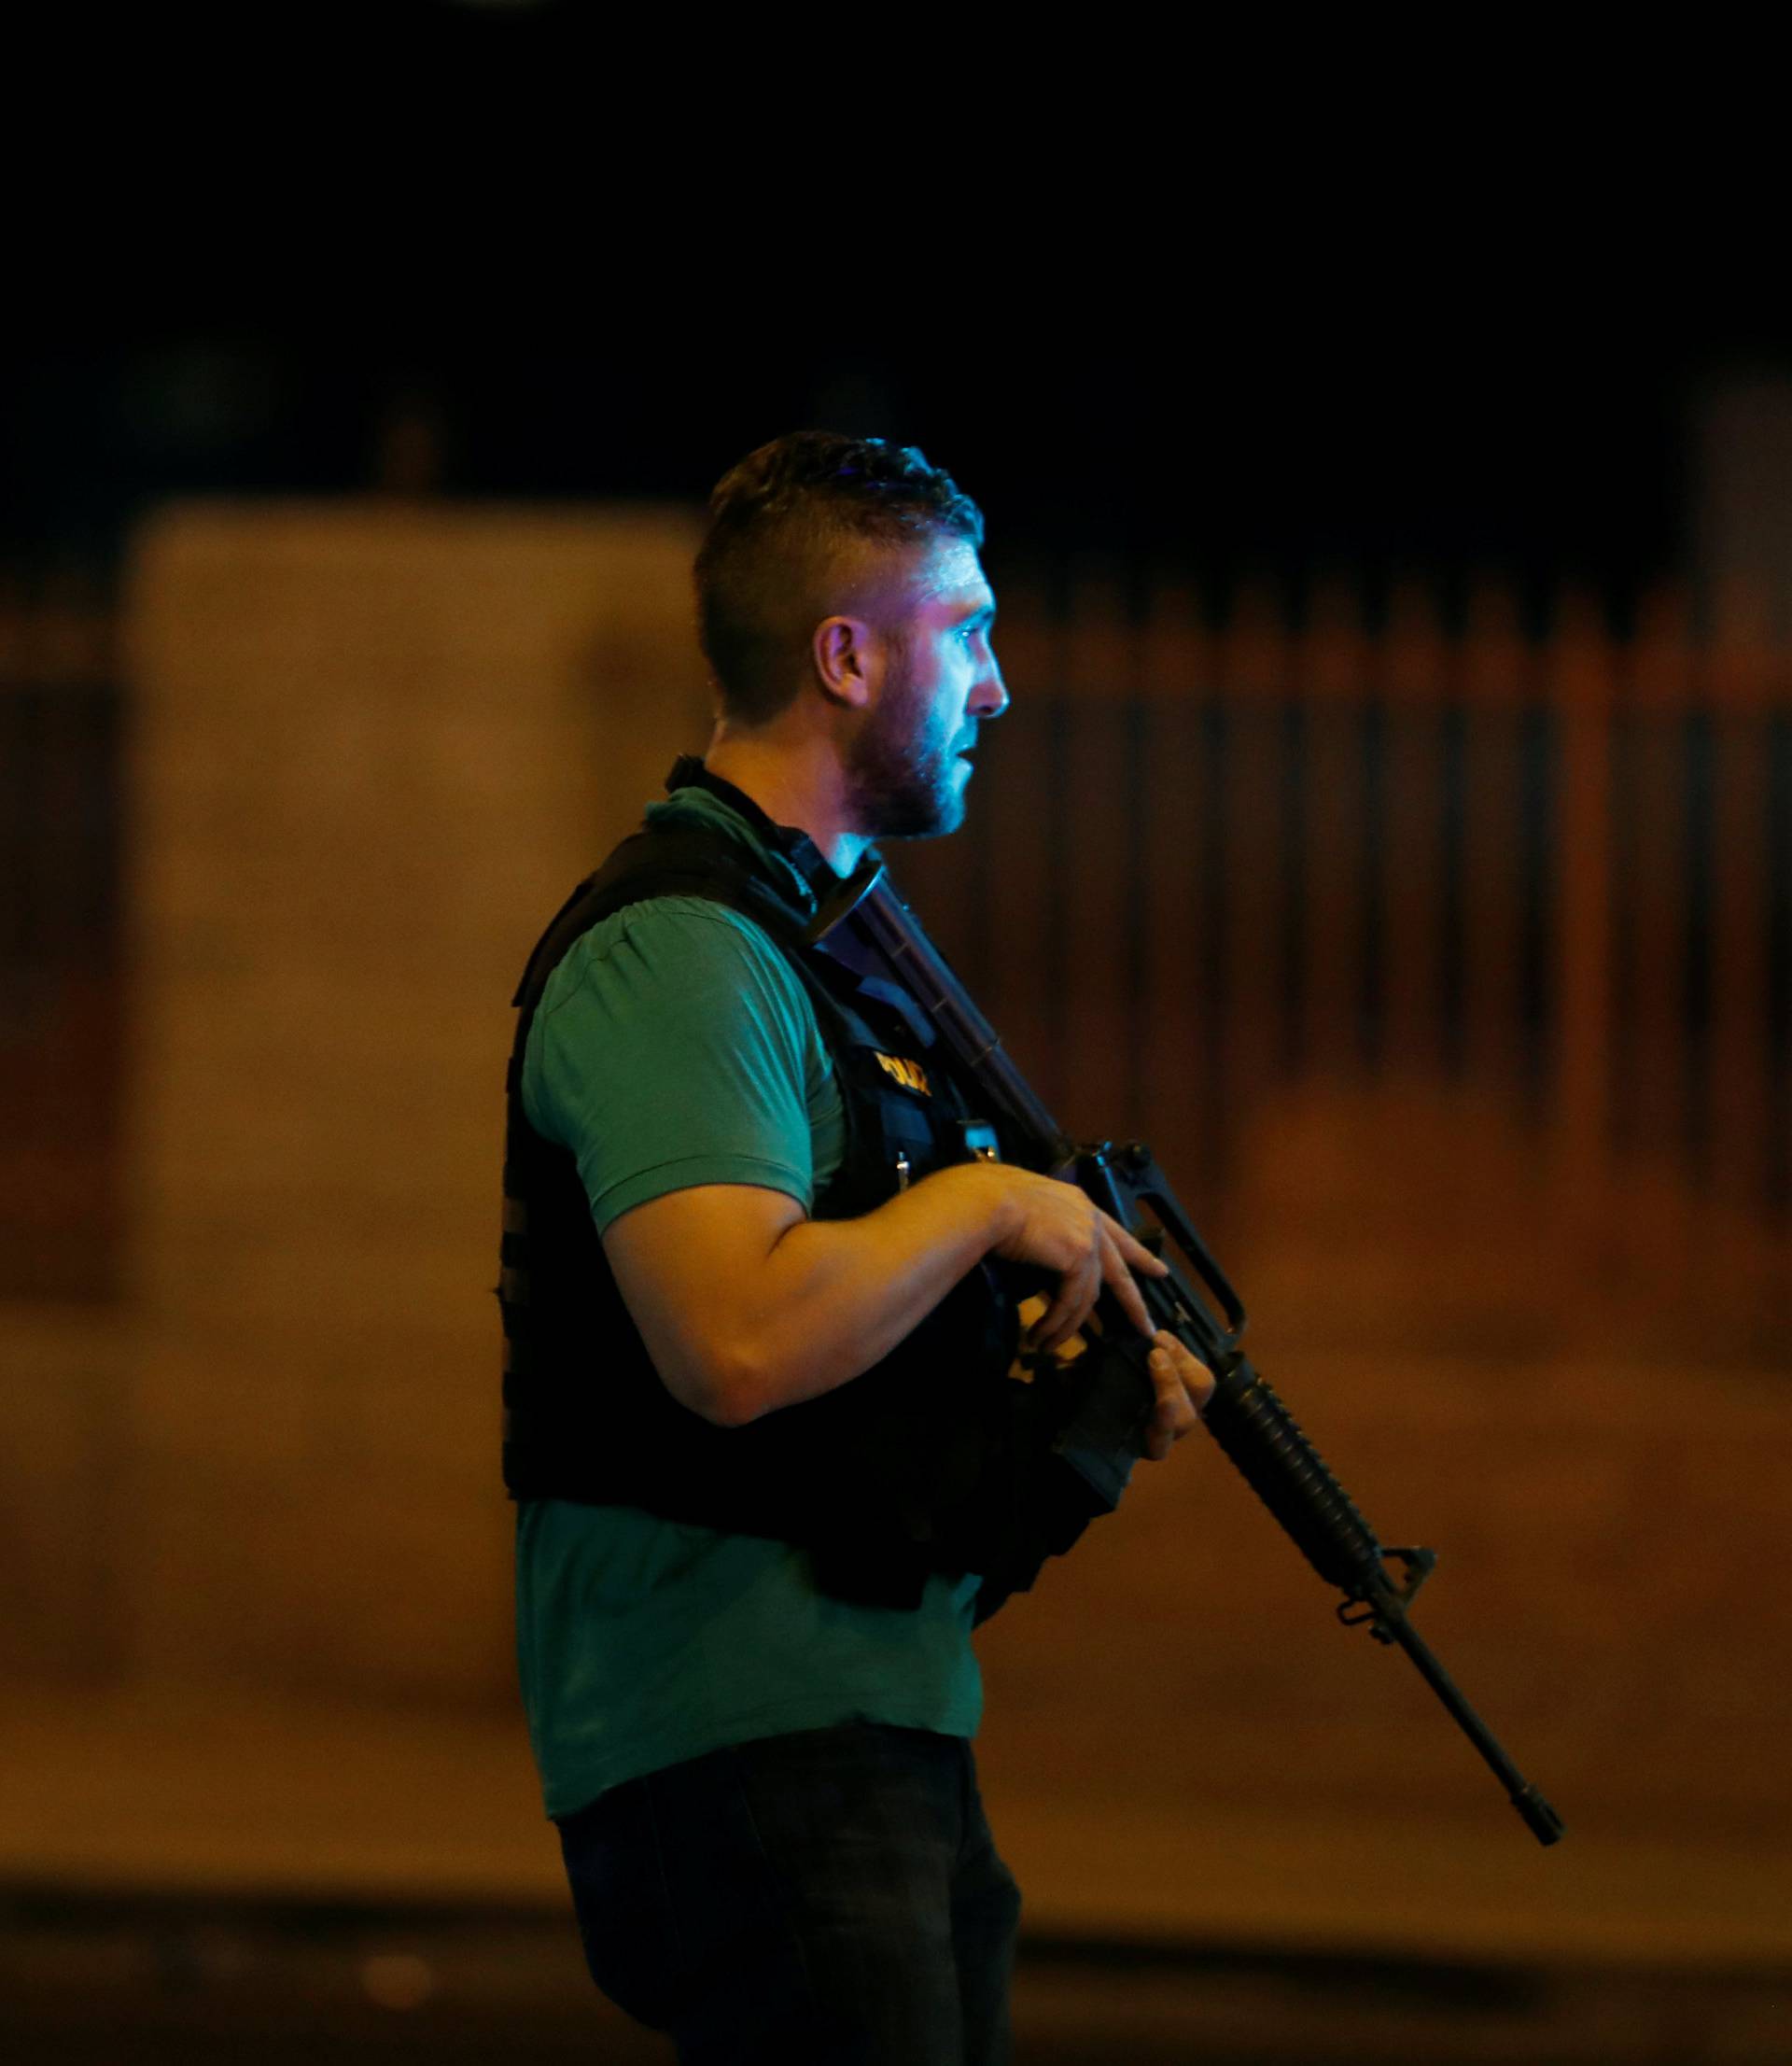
x=910, y=1074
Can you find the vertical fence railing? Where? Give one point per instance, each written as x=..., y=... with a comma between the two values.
x=1176, y=1047
x=62, y=1007
x=1224, y=859
x=1331, y=682
x=1738, y=697
x=1496, y=714
x=1579, y=684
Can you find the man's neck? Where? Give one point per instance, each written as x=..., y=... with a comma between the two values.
x=793, y=785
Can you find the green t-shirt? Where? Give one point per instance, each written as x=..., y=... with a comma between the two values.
x=674, y=1045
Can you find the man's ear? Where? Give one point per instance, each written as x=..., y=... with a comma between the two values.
x=842, y=654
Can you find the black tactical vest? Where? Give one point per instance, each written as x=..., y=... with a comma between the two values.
x=935, y=1459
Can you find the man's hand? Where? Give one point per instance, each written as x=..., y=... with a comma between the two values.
x=1060, y=1227
x=1184, y=1383
x=1183, y=1386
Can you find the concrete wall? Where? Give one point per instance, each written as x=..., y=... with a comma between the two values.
x=374, y=750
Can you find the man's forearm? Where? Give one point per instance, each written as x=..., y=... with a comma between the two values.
x=837, y=1295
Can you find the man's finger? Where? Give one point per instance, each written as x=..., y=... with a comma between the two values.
x=1196, y=1379
x=1175, y=1408
x=1077, y=1292
x=1175, y=1413
x=1125, y=1285
x=1133, y=1249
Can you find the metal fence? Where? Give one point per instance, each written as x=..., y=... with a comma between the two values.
x=63, y=1001
x=1206, y=863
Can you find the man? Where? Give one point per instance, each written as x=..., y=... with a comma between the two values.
x=761, y=1285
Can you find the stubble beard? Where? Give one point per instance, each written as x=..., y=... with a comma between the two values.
x=900, y=776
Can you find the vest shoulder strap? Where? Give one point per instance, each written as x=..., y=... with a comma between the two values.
x=685, y=862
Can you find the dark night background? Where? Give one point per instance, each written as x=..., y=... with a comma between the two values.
x=1282, y=314
x=1424, y=453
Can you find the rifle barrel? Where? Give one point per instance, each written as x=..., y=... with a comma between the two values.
x=1257, y=1433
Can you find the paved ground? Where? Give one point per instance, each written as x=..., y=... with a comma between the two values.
x=209, y=1881
x=204, y=1981
x=192, y=1795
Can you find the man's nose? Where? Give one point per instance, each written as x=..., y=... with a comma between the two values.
x=990, y=699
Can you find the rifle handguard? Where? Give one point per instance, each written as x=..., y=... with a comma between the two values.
x=1264, y=1443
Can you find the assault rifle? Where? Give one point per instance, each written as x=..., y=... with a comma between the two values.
x=1198, y=1304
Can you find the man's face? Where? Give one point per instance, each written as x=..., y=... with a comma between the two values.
x=905, y=769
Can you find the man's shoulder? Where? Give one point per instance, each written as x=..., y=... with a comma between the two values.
x=681, y=940
x=675, y=992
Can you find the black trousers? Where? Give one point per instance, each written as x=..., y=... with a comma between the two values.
x=827, y=1898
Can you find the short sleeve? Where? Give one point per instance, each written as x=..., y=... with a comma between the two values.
x=673, y=1045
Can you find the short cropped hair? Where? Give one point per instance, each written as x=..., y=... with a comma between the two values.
x=783, y=527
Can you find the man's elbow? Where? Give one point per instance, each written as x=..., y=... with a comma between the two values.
x=742, y=1388
x=731, y=1401
x=720, y=1386
x=746, y=1381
